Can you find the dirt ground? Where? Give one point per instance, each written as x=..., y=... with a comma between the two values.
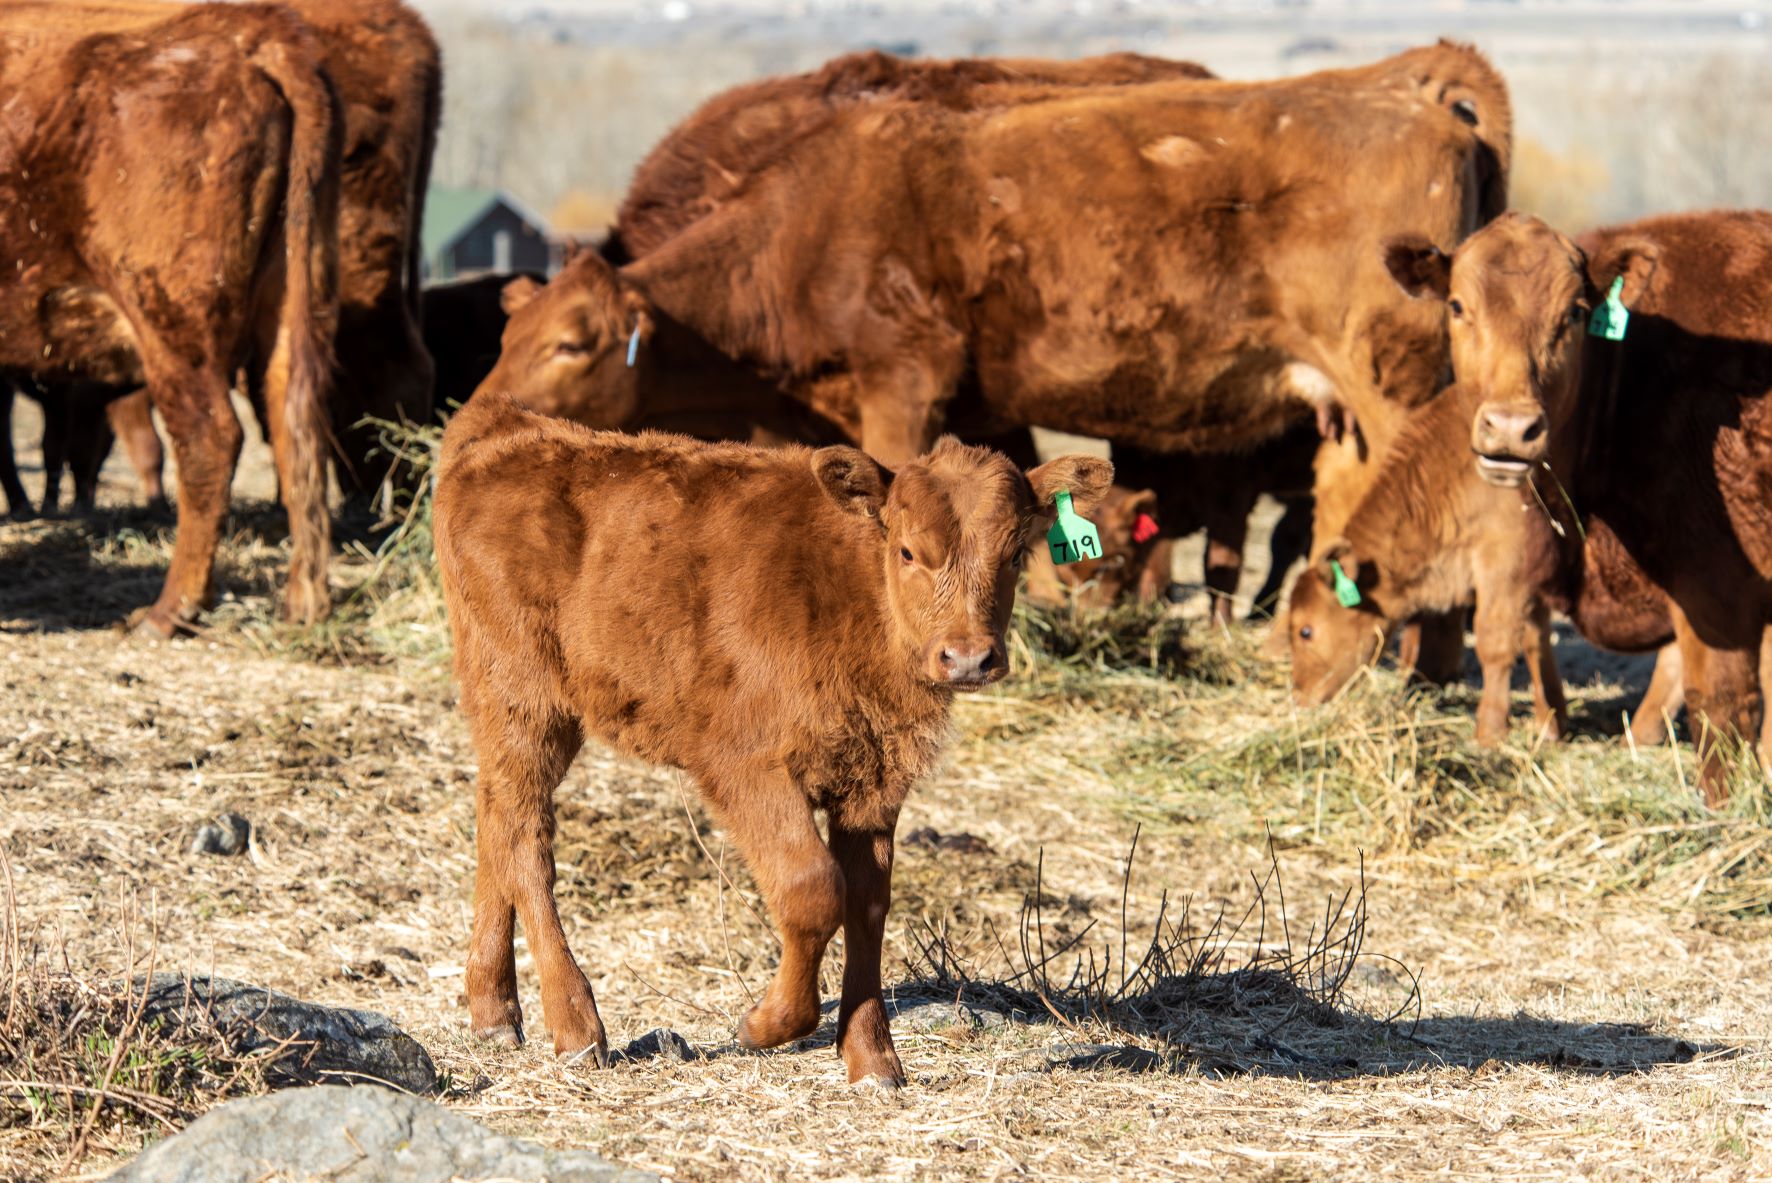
x=1563, y=1030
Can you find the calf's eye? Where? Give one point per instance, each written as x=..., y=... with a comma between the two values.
x=1456, y=306
x=1304, y=633
x=904, y=552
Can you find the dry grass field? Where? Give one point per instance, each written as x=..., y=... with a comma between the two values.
x=1522, y=963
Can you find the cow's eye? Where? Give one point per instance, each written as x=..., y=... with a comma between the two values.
x=1576, y=312
x=1304, y=634
x=571, y=348
x=904, y=552
x=1456, y=305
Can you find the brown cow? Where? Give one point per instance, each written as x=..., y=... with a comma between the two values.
x=707, y=159
x=388, y=71
x=788, y=626
x=1127, y=527
x=1431, y=536
x=1653, y=452
x=155, y=249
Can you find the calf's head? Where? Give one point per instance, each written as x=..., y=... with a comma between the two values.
x=954, y=527
x=1330, y=641
x=1126, y=520
x=568, y=344
x=1518, y=298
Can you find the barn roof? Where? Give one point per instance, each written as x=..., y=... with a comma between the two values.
x=450, y=213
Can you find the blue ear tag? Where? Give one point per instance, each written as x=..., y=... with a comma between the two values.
x=1611, y=317
x=634, y=347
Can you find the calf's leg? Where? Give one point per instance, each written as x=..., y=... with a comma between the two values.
x=1499, y=636
x=1550, y=707
x=206, y=440
x=1662, y=700
x=522, y=761
x=864, y=852
x=132, y=420
x=772, y=823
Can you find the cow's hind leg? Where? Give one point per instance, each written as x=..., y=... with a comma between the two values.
x=522, y=760
x=206, y=441
x=132, y=419
x=772, y=824
x=1662, y=701
x=1723, y=704
x=863, y=849
x=17, y=504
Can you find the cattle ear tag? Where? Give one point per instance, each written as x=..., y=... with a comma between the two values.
x=1346, y=591
x=634, y=347
x=1144, y=528
x=1611, y=317
x=1073, y=537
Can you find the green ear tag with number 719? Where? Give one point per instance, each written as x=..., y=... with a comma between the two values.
x=1346, y=590
x=1611, y=317
x=1073, y=537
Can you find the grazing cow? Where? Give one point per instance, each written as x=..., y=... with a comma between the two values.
x=1127, y=527
x=463, y=323
x=707, y=159
x=1651, y=451
x=1430, y=536
x=788, y=626
x=1217, y=492
x=155, y=249
x=388, y=72
x=909, y=266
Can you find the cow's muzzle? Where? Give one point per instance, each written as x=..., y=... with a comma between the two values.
x=1509, y=440
x=967, y=663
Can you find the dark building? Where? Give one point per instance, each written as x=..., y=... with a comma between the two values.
x=469, y=231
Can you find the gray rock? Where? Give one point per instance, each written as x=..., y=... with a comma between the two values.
x=228, y=834
x=1096, y=1056
x=909, y=1014
x=346, y=1135
x=661, y=1043
x=333, y=1044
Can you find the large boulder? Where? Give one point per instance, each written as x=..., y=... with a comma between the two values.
x=356, y=1135
x=326, y=1044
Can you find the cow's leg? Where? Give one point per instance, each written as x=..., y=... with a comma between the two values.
x=1227, y=530
x=384, y=373
x=58, y=419
x=1550, y=707
x=522, y=761
x=299, y=450
x=1432, y=647
x=1499, y=636
x=17, y=504
x=772, y=824
x=1290, y=541
x=1661, y=701
x=903, y=400
x=89, y=441
x=864, y=853
x=1158, y=574
x=1722, y=704
x=132, y=419
x=206, y=443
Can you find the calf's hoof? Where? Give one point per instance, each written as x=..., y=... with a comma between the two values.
x=763, y=1028
x=157, y=624
x=502, y=1034
x=879, y=1087
x=591, y=1055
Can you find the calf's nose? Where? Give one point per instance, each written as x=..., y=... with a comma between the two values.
x=1511, y=431
x=968, y=662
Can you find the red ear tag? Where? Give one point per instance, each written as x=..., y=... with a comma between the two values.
x=1144, y=528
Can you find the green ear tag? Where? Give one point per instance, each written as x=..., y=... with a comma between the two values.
x=1346, y=591
x=1611, y=317
x=1072, y=538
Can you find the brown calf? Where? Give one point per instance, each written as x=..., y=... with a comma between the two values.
x=134, y=266
x=1429, y=537
x=1127, y=527
x=788, y=626
x=1652, y=451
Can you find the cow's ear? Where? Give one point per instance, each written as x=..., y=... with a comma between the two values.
x=1635, y=259
x=1086, y=478
x=852, y=479
x=517, y=293
x=1144, y=502
x=639, y=314
x=1339, y=552
x=1419, y=267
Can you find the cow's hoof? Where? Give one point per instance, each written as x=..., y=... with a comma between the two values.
x=151, y=624
x=762, y=1030
x=592, y=1055
x=503, y=1035
x=879, y=1087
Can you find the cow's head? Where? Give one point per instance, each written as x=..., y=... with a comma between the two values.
x=567, y=344
x=1518, y=298
x=1127, y=523
x=955, y=525
x=1330, y=641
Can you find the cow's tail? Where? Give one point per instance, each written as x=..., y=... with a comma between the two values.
x=298, y=372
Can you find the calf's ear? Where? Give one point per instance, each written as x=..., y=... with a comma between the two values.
x=852, y=479
x=639, y=314
x=1635, y=259
x=1086, y=478
x=517, y=293
x=1419, y=267
x=1339, y=552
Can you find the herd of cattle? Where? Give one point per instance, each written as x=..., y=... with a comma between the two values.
x=749, y=491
